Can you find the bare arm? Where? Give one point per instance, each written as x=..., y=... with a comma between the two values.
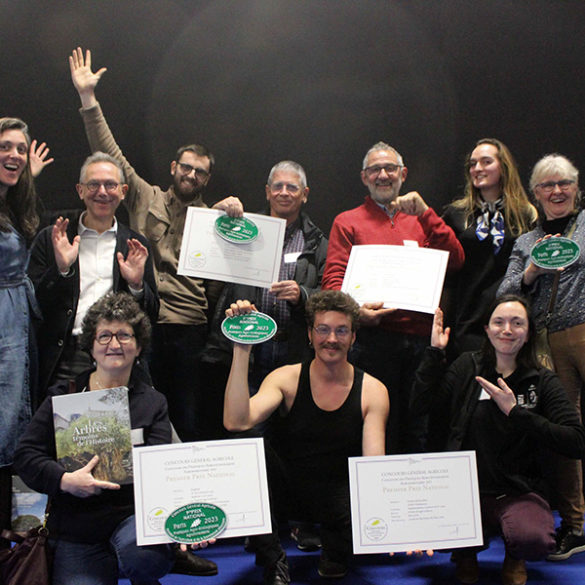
x=375, y=408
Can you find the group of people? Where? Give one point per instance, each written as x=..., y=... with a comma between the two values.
x=89, y=303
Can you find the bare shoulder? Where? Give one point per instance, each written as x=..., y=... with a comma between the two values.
x=285, y=378
x=374, y=393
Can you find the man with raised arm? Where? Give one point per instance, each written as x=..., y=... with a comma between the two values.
x=328, y=411
x=390, y=342
x=181, y=330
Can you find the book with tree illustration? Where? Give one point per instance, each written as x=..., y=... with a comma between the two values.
x=95, y=423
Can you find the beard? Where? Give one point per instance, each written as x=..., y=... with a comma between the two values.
x=186, y=189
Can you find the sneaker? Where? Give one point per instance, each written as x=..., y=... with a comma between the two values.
x=514, y=571
x=331, y=569
x=568, y=544
x=307, y=540
x=466, y=567
x=277, y=574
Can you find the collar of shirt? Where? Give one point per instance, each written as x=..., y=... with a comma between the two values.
x=81, y=228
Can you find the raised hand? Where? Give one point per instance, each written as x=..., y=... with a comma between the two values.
x=65, y=252
x=132, y=267
x=37, y=157
x=439, y=336
x=82, y=483
x=84, y=79
x=412, y=204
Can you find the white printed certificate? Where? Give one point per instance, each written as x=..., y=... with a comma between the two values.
x=414, y=502
x=206, y=254
x=403, y=277
x=230, y=474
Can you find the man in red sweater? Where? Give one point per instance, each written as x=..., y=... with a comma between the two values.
x=390, y=342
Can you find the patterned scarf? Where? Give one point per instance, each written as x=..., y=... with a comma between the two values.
x=491, y=221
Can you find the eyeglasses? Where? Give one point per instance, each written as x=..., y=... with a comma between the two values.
x=94, y=186
x=325, y=331
x=106, y=336
x=288, y=187
x=188, y=169
x=549, y=186
x=375, y=170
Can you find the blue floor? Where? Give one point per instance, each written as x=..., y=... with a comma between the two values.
x=236, y=567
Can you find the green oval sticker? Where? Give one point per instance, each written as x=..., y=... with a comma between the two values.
x=239, y=230
x=195, y=522
x=555, y=252
x=251, y=328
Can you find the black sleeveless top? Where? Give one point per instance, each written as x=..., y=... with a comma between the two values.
x=318, y=442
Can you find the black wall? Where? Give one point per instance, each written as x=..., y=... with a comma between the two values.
x=318, y=81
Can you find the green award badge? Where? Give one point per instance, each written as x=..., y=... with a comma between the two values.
x=555, y=252
x=195, y=522
x=238, y=230
x=250, y=328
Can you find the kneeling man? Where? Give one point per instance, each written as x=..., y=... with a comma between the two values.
x=328, y=411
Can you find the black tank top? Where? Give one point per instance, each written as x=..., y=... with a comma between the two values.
x=316, y=441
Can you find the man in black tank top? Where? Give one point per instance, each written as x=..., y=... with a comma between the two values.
x=329, y=411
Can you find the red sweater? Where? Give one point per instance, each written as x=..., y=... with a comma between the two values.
x=370, y=224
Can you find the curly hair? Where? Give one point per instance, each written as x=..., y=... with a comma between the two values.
x=332, y=300
x=116, y=306
x=20, y=208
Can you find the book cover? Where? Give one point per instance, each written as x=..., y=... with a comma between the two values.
x=95, y=423
x=28, y=506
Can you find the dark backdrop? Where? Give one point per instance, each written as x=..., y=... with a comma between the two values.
x=317, y=81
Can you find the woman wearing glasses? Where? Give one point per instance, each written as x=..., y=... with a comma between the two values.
x=493, y=212
x=91, y=522
x=555, y=184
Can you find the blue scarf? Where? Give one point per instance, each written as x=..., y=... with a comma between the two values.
x=491, y=221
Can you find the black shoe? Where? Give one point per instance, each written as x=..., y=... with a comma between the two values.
x=186, y=563
x=331, y=569
x=305, y=537
x=568, y=544
x=277, y=574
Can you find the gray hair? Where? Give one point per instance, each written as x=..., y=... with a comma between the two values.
x=291, y=166
x=98, y=157
x=553, y=164
x=382, y=146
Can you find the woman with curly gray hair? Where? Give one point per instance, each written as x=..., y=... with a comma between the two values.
x=115, y=332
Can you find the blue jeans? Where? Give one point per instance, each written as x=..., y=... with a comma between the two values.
x=102, y=563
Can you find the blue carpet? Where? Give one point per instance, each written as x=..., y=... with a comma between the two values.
x=236, y=567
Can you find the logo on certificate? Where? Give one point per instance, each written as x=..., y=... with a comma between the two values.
x=156, y=519
x=375, y=529
x=196, y=260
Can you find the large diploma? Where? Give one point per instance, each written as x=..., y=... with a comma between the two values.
x=403, y=277
x=230, y=474
x=207, y=254
x=414, y=502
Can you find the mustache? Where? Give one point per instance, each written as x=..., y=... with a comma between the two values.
x=331, y=346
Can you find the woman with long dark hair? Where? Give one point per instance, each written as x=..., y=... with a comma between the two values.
x=500, y=403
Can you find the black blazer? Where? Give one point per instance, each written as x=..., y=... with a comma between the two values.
x=58, y=296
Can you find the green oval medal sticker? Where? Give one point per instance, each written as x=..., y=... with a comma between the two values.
x=555, y=252
x=239, y=230
x=195, y=522
x=251, y=328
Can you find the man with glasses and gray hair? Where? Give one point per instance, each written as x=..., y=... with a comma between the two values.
x=81, y=258
x=390, y=342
